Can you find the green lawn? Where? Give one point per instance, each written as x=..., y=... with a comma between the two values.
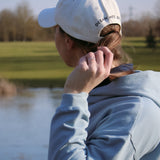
x=143, y=58
x=38, y=64
x=32, y=64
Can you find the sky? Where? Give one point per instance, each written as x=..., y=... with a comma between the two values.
x=128, y=8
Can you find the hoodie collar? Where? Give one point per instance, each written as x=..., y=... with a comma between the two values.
x=140, y=83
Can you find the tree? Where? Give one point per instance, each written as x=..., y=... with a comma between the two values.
x=157, y=14
x=151, y=39
x=132, y=28
x=157, y=27
x=139, y=27
x=24, y=16
x=7, y=26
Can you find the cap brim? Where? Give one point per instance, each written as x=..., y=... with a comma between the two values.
x=46, y=18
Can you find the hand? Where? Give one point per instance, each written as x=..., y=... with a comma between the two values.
x=92, y=69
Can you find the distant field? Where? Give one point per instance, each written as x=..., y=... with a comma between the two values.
x=143, y=58
x=38, y=64
x=32, y=64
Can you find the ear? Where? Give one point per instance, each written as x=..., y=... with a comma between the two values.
x=69, y=42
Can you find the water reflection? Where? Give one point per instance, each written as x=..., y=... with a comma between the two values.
x=25, y=123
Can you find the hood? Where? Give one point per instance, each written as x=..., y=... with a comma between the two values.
x=140, y=83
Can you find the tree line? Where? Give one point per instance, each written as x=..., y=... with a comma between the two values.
x=142, y=26
x=21, y=25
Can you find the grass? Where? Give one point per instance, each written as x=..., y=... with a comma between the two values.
x=143, y=58
x=32, y=64
x=37, y=64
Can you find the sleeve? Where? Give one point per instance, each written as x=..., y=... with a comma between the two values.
x=68, y=128
x=69, y=139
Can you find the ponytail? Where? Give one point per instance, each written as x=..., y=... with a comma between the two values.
x=112, y=39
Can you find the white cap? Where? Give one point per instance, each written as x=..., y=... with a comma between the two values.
x=81, y=19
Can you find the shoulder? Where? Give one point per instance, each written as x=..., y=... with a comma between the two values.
x=131, y=112
x=126, y=115
x=126, y=123
x=113, y=131
x=116, y=114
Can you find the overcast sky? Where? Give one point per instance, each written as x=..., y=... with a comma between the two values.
x=138, y=6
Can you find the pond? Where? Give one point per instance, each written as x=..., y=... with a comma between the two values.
x=25, y=123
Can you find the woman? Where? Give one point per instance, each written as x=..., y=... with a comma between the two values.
x=108, y=110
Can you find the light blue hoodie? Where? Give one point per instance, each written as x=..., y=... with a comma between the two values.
x=122, y=121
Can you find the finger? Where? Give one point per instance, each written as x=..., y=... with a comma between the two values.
x=83, y=63
x=108, y=57
x=100, y=58
x=91, y=59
